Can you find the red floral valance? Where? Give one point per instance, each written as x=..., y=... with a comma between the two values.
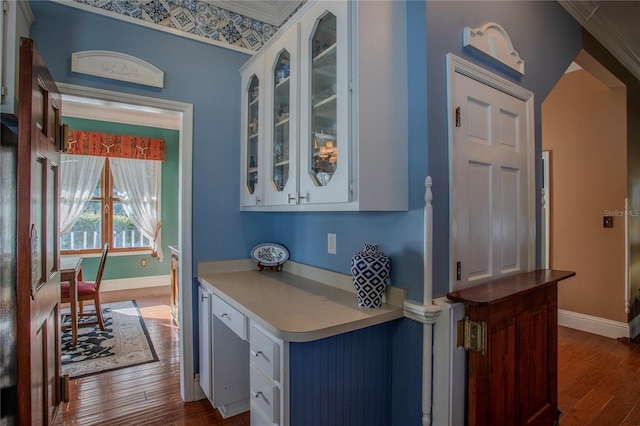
x=120, y=146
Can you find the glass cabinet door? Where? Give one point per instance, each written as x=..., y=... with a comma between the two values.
x=324, y=141
x=252, y=158
x=324, y=150
x=252, y=135
x=281, y=106
x=280, y=165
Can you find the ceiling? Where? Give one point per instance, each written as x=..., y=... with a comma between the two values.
x=612, y=23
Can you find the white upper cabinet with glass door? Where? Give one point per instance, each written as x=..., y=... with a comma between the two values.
x=252, y=170
x=281, y=110
x=324, y=100
x=347, y=116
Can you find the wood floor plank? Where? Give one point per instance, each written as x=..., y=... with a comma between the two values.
x=147, y=394
x=598, y=381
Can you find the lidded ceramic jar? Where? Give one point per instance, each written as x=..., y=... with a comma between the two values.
x=370, y=271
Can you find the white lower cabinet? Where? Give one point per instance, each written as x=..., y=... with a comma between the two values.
x=268, y=378
x=223, y=355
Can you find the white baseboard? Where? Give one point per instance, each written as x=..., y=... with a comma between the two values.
x=594, y=325
x=134, y=283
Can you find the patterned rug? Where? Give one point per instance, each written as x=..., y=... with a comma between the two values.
x=124, y=343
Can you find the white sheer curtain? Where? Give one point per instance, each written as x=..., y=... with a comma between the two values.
x=79, y=175
x=138, y=182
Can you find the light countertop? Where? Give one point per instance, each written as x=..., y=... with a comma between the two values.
x=294, y=308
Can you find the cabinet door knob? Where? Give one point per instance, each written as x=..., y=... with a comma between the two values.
x=255, y=353
x=256, y=394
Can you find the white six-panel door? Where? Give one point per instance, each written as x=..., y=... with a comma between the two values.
x=492, y=170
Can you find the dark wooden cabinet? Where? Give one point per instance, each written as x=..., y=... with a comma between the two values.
x=513, y=379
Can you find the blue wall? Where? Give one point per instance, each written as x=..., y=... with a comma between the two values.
x=546, y=37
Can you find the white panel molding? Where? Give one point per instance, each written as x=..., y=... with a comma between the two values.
x=595, y=325
x=135, y=283
x=449, y=366
x=117, y=66
x=492, y=40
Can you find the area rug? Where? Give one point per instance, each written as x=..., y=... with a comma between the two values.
x=124, y=343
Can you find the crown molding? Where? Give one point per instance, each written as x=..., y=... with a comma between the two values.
x=588, y=15
x=273, y=12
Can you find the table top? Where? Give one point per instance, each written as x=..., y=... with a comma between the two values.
x=501, y=289
x=68, y=263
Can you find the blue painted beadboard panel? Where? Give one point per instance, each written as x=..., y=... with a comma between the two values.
x=342, y=380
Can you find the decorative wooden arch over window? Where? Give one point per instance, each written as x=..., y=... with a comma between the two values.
x=116, y=146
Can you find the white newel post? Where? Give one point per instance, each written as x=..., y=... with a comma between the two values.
x=427, y=313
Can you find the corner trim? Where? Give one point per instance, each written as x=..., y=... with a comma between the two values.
x=423, y=314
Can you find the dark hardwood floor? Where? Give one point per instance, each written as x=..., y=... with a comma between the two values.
x=598, y=381
x=148, y=394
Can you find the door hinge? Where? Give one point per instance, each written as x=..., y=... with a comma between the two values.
x=5, y=7
x=3, y=90
x=457, y=116
x=472, y=335
x=458, y=271
x=351, y=86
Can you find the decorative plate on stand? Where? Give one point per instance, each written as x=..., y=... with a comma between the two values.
x=270, y=255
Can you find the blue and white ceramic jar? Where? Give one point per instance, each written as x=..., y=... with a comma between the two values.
x=370, y=271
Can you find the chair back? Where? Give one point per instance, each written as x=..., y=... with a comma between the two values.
x=103, y=261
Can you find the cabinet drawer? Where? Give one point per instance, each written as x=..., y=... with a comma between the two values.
x=230, y=316
x=265, y=352
x=264, y=394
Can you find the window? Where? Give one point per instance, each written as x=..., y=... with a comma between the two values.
x=105, y=220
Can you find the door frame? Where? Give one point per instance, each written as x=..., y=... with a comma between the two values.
x=189, y=389
x=455, y=64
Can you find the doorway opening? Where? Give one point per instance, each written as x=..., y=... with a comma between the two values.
x=109, y=103
x=584, y=131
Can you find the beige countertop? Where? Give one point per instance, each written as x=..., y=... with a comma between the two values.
x=294, y=308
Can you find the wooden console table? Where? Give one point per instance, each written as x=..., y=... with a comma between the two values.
x=513, y=374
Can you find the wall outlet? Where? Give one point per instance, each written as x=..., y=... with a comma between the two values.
x=143, y=262
x=331, y=243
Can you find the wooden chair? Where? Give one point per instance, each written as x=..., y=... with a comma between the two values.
x=88, y=291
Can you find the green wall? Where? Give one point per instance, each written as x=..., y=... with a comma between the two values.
x=129, y=266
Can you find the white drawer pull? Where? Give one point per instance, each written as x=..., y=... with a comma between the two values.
x=224, y=315
x=254, y=353
x=256, y=394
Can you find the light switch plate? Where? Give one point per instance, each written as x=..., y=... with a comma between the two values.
x=331, y=243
